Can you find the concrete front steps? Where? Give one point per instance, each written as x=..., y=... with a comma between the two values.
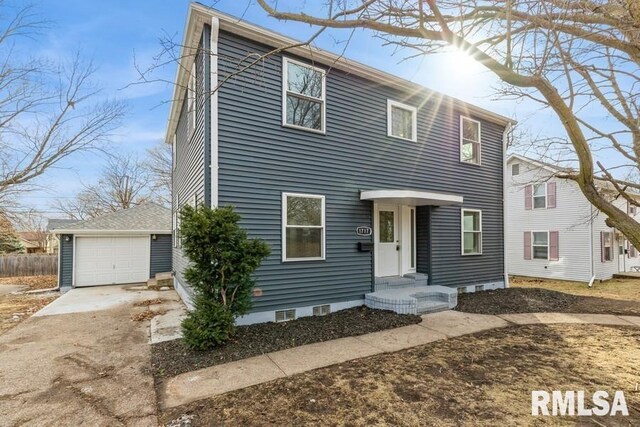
x=410, y=294
x=161, y=280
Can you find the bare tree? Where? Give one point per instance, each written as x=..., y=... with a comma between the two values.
x=579, y=58
x=158, y=164
x=47, y=111
x=124, y=183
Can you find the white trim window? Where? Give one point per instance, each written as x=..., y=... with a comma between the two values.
x=402, y=121
x=191, y=96
x=470, y=137
x=471, y=220
x=303, y=227
x=303, y=96
x=539, y=195
x=540, y=245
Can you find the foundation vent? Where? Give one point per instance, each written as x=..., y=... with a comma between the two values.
x=479, y=288
x=285, y=315
x=321, y=310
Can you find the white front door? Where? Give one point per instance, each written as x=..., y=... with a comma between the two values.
x=387, y=241
x=621, y=254
x=111, y=260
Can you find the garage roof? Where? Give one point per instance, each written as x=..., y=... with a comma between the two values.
x=147, y=218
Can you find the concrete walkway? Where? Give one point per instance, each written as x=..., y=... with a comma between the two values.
x=209, y=382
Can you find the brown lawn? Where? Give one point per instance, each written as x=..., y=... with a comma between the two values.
x=625, y=289
x=16, y=307
x=483, y=379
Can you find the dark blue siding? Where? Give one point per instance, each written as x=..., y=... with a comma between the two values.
x=160, y=254
x=65, y=269
x=189, y=178
x=259, y=159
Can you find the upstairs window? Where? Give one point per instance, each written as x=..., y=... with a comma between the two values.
x=401, y=121
x=469, y=140
x=540, y=196
x=471, y=232
x=304, y=96
x=515, y=169
x=303, y=227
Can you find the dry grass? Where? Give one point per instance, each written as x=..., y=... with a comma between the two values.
x=16, y=308
x=624, y=289
x=148, y=302
x=146, y=315
x=484, y=379
x=33, y=282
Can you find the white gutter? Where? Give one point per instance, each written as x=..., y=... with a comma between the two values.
x=80, y=232
x=505, y=210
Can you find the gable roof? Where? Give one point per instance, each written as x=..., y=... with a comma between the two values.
x=148, y=218
x=200, y=15
x=55, y=223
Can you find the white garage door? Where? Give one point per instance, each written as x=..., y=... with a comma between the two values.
x=111, y=260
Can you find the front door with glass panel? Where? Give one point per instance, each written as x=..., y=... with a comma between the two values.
x=387, y=241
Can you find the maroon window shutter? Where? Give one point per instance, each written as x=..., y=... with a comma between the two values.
x=527, y=245
x=551, y=195
x=528, y=194
x=628, y=208
x=553, y=246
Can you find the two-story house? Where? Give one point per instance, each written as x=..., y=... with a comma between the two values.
x=360, y=182
x=554, y=232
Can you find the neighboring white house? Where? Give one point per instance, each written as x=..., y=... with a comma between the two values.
x=554, y=232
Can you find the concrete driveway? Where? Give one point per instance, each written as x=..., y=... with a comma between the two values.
x=81, y=361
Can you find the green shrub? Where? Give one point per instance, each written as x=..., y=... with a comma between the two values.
x=222, y=262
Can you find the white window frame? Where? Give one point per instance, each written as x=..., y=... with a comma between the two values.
x=611, y=235
x=533, y=195
x=285, y=226
x=517, y=166
x=191, y=96
x=414, y=120
x=479, y=142
x=548, y=245
x=285, y=91
x=462, y=231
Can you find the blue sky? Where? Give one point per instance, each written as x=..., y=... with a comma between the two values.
x=113, y=33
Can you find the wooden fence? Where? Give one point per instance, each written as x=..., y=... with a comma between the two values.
x=28, y=265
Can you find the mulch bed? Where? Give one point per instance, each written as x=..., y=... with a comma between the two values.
x=173, y=357
x=535, y=300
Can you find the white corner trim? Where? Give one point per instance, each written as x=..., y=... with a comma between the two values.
x=505, y=208
x=215, y=28
x=414, y=120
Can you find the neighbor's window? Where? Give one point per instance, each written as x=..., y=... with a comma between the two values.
x=471, y=232
x=304, y=96
x=540, y=245
x=304, y=227
x=401, y=121
x=607, y=246
x=539, y=196
x=515, y=169
x=469, y=140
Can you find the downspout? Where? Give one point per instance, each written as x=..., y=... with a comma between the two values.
x=505, y=222
x=213, y=110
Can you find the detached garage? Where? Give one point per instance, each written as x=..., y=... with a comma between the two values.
x=128, y=246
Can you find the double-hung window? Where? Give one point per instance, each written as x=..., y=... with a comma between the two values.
x=303, y=96
x=303, y=230
x=471, y=232
x=402, y=121
x=469, y=140
x=540, y=245
x=540, y=196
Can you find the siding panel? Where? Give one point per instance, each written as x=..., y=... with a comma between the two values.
x=160, y=254
x=259, y=159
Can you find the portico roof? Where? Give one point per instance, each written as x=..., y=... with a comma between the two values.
x=411, y=197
